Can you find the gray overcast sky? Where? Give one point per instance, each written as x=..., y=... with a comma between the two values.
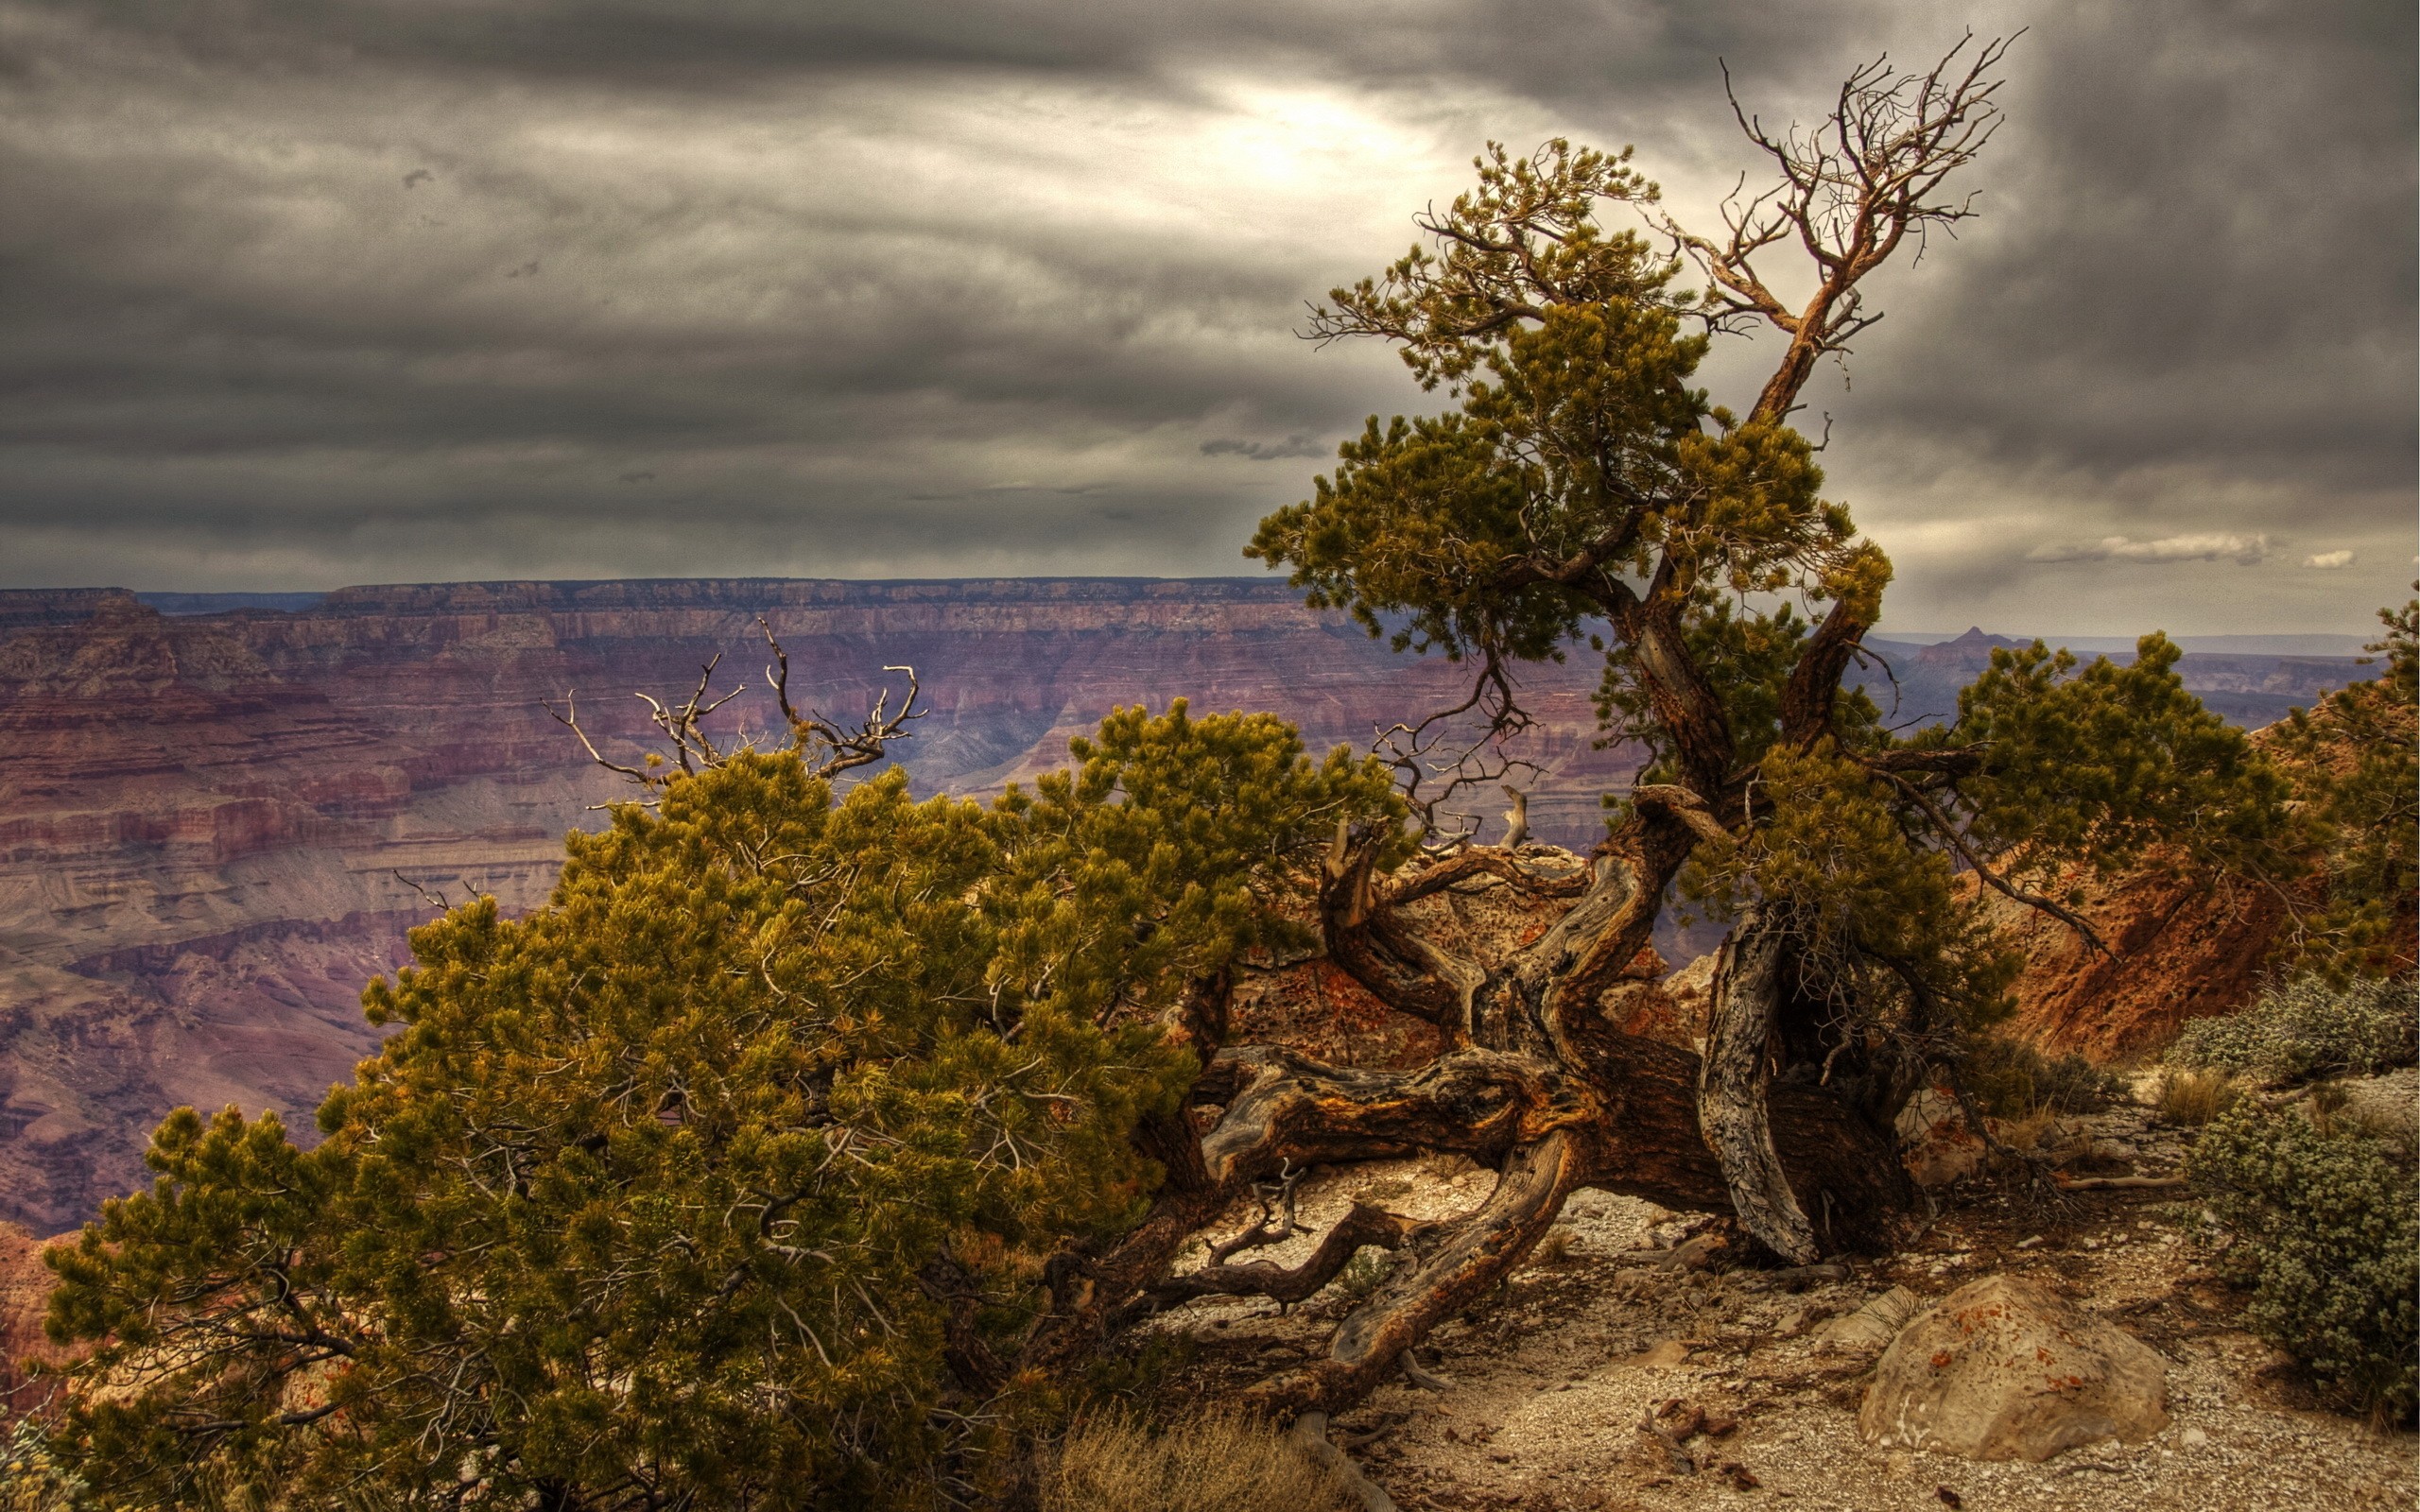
x=298, y=293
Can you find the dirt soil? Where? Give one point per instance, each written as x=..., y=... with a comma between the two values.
x=1553, y=1376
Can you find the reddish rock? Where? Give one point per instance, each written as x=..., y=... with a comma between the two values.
x=2179, y=949
x=24, y=1290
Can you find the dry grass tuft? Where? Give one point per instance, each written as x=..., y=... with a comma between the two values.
x=2040, y=1131
x=2192, y=1098
x=1554, y=1247
x=1224, y=1462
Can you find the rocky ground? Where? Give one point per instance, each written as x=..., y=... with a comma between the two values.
x=1605, y=1375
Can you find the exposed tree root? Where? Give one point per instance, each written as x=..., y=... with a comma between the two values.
x=1310, y=1433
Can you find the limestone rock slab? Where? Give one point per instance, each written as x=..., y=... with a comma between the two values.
x=2001, y=1369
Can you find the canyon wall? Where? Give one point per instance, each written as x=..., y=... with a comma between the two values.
x=215, y=827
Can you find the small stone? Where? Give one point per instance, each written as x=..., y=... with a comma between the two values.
x=1873, y=1325
x=2194, y=1438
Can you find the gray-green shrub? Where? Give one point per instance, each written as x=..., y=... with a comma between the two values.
x=2304, y=1028
x=2326, y=1233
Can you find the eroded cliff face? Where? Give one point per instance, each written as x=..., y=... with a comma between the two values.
x=214, y=829
x=24, y=1293
x=2180, y=948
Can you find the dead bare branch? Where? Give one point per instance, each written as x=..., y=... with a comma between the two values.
x=1851, y=189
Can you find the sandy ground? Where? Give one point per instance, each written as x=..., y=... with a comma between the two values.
x=1553, y=1375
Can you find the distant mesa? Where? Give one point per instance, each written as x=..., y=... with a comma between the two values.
x=228, y=603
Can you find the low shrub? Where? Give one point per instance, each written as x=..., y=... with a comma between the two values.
x=1554, y=1248
x=2323, y=1229
x=2308, y=1028
x=1365, y=1272
x=31, y=1480
x=2012, y=1079
x=1220, y=1463
x=2192, y=1098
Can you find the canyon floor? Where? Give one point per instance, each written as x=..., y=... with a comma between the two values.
x=1552, y=1376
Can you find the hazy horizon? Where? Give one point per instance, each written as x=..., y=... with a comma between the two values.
x=187, y=601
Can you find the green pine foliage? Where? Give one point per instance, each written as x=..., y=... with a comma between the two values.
x=2102, y=765
x=1576, y=426
x=728, y=1178
x=2355, y=761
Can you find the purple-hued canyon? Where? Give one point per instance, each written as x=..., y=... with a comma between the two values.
x=214, y=827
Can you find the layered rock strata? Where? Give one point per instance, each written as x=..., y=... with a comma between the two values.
x=214, y=827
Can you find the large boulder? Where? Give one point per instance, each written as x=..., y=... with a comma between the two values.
x=2001, y=1369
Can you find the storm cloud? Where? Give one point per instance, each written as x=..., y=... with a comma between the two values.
x=300, y=295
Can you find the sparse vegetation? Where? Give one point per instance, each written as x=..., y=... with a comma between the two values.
x=2192, y=1098
x=2011, y=1079
x=1220, y=1463
x=30, y=1479
x=2322, y=1228
x=1554, y=1247
x=2308, y=1028
x=1366, y=1272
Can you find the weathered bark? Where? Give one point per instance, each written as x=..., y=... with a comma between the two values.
x=1471, y=1255
x=1734, y=1082
x=1363, y=1225
x=1369, y=940
x=1535, y=1081
x=1813, y=690
x=1294, y=1110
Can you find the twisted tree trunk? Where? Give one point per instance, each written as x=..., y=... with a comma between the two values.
x=1533, y=1079
x=1733, y=1084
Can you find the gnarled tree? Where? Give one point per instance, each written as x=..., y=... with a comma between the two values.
x=1582, y=493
